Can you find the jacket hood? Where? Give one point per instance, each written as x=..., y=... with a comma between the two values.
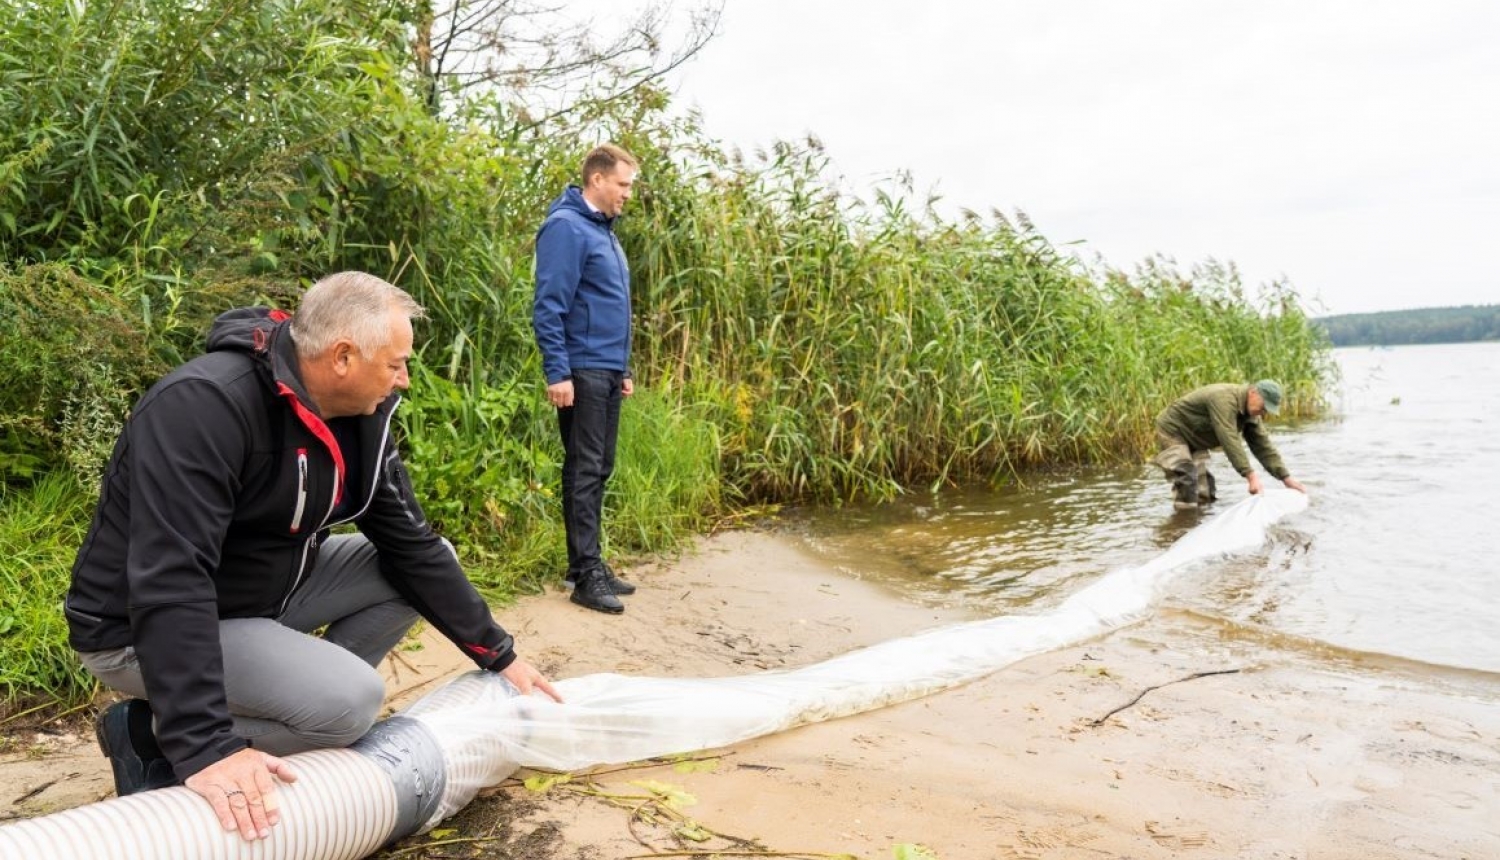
x=245, y=329
x=263, y=334
x=572, y=200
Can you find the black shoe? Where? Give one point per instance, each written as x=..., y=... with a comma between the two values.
x=593, y=592
x=616, y=584
x=126, y=738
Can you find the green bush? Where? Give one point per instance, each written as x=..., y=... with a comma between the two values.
x=478, y=481
x=157, y=131
x=73, y=359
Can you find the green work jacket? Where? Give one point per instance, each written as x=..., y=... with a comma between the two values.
x=1218, y=416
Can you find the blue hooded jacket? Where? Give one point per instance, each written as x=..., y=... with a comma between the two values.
x=581, y=312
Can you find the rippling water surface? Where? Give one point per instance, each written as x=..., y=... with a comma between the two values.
x=1398, y=555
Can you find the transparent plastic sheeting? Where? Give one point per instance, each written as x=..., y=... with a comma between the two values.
x=614, y=718
x=349, y=802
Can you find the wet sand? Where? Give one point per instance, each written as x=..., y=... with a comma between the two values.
x=1277, y=755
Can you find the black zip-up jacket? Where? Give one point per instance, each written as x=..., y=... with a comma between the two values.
x=215, y=500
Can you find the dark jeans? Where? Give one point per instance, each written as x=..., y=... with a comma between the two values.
x=589, y=428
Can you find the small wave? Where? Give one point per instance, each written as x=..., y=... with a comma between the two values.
x=1336, y=657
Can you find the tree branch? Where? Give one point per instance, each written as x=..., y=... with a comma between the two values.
x=1099, y=722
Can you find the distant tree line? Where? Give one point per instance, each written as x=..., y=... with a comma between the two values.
x=1422, y=325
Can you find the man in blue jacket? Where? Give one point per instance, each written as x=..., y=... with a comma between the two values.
x=581, y=316
x=210, y=563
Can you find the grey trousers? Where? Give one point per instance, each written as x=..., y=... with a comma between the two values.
x=290, y=691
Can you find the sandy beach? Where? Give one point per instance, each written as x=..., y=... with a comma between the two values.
x=1219, y=745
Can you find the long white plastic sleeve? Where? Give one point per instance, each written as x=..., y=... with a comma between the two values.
x=422, y=766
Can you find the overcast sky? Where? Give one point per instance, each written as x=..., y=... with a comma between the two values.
x=1352, y=147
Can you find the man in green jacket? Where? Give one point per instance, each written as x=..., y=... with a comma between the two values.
x=1218, y=416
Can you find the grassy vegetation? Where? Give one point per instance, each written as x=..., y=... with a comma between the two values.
x=159, y=165
x=40, y=528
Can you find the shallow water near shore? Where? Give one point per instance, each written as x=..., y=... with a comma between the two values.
x=1396, y=563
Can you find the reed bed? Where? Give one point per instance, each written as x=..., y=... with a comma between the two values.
x=794, y=341
x=846, y=349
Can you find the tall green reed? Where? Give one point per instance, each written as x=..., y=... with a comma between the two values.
x=853, y=348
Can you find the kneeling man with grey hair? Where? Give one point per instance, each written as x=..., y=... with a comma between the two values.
x=210, y=587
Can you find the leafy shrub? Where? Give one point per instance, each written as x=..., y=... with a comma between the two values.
x=476, y=479
x=73, y=360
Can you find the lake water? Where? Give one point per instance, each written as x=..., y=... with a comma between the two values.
x=1396, y=561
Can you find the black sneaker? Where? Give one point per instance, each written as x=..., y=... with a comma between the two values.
x=125, y=737
x=616, y=584
x=593, y=592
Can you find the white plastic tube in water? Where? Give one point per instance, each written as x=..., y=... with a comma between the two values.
x=417, y=768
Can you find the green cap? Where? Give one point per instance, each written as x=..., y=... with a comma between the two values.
x=1270, y=392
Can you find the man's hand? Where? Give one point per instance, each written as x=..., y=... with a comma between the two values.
x=242, y=793
x=627, y=387
x=1294, y=484
x=1254, y=481
x=526, y=678
x=560, y=394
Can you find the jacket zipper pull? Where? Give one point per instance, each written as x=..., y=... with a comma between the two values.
x=301, y=490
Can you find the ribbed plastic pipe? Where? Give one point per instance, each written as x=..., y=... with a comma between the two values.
x=416, y=769
x=343, y=808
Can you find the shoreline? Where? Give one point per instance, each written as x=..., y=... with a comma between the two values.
x=1265, y=754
